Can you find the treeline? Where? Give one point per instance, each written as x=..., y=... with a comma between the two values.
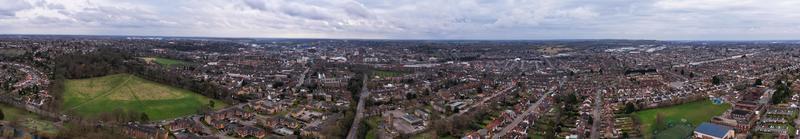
x=210, y=46
x=101, y=63
x=178, y=79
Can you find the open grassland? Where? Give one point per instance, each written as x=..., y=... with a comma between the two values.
x=692, y=113
x=165, y=61
x=90, y=97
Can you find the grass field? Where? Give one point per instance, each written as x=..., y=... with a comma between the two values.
x=676, y=132
x=13, y=113
x=384, y=74
x=692, y=113
x=165, y=61
x=28, y=120
x=89, y=97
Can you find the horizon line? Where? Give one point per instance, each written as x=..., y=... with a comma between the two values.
x=394, y=39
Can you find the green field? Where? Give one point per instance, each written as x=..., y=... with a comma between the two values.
x=13, y=113
x=384, y=74
x=676, y=132
x=165, y=61
x=28, y=120
x=692, y=113
x=90, y=97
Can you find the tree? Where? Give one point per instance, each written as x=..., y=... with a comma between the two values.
x=782, y=92
x=145, y=117
x=629, y=108
x=2, y=115
x=716, y=80
x=758, y=82
x=211, y=103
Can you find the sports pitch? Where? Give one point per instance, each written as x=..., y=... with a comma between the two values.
x=92, y=96
x=165, y=61
x=692, y=113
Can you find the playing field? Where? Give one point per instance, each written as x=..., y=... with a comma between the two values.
x=693, y=113
x=89, y=97
x=165, y=61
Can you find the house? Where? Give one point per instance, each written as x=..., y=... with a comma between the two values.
x=282, y=121
x=267, y=107
x=228, y=114
x=421, y=113
x=306, y=116
x=713, y=131
x=144, y=132
x=250, y=131
x=411, y=119
x=456, y=106
x=184, y=124
x=283, y=131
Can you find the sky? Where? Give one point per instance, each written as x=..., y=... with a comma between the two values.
x=410, y=19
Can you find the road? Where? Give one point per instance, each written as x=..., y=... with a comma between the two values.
x=596, y=114
x=302, y=78
x=531, y=110
x=353, y=134
x=486, y=99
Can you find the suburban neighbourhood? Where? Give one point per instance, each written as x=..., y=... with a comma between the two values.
x=161, y=87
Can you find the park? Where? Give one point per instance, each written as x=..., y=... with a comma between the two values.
x=124, y=92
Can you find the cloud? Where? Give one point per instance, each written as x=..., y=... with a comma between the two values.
x=9, y=8
x=410, y=19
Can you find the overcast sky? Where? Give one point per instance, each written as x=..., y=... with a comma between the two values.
x=410, y=19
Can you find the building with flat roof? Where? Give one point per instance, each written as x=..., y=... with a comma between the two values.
x=713, y=131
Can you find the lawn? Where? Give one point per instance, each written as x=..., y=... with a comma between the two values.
x=165, y=61
x=90, y=97
x=692, y=113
